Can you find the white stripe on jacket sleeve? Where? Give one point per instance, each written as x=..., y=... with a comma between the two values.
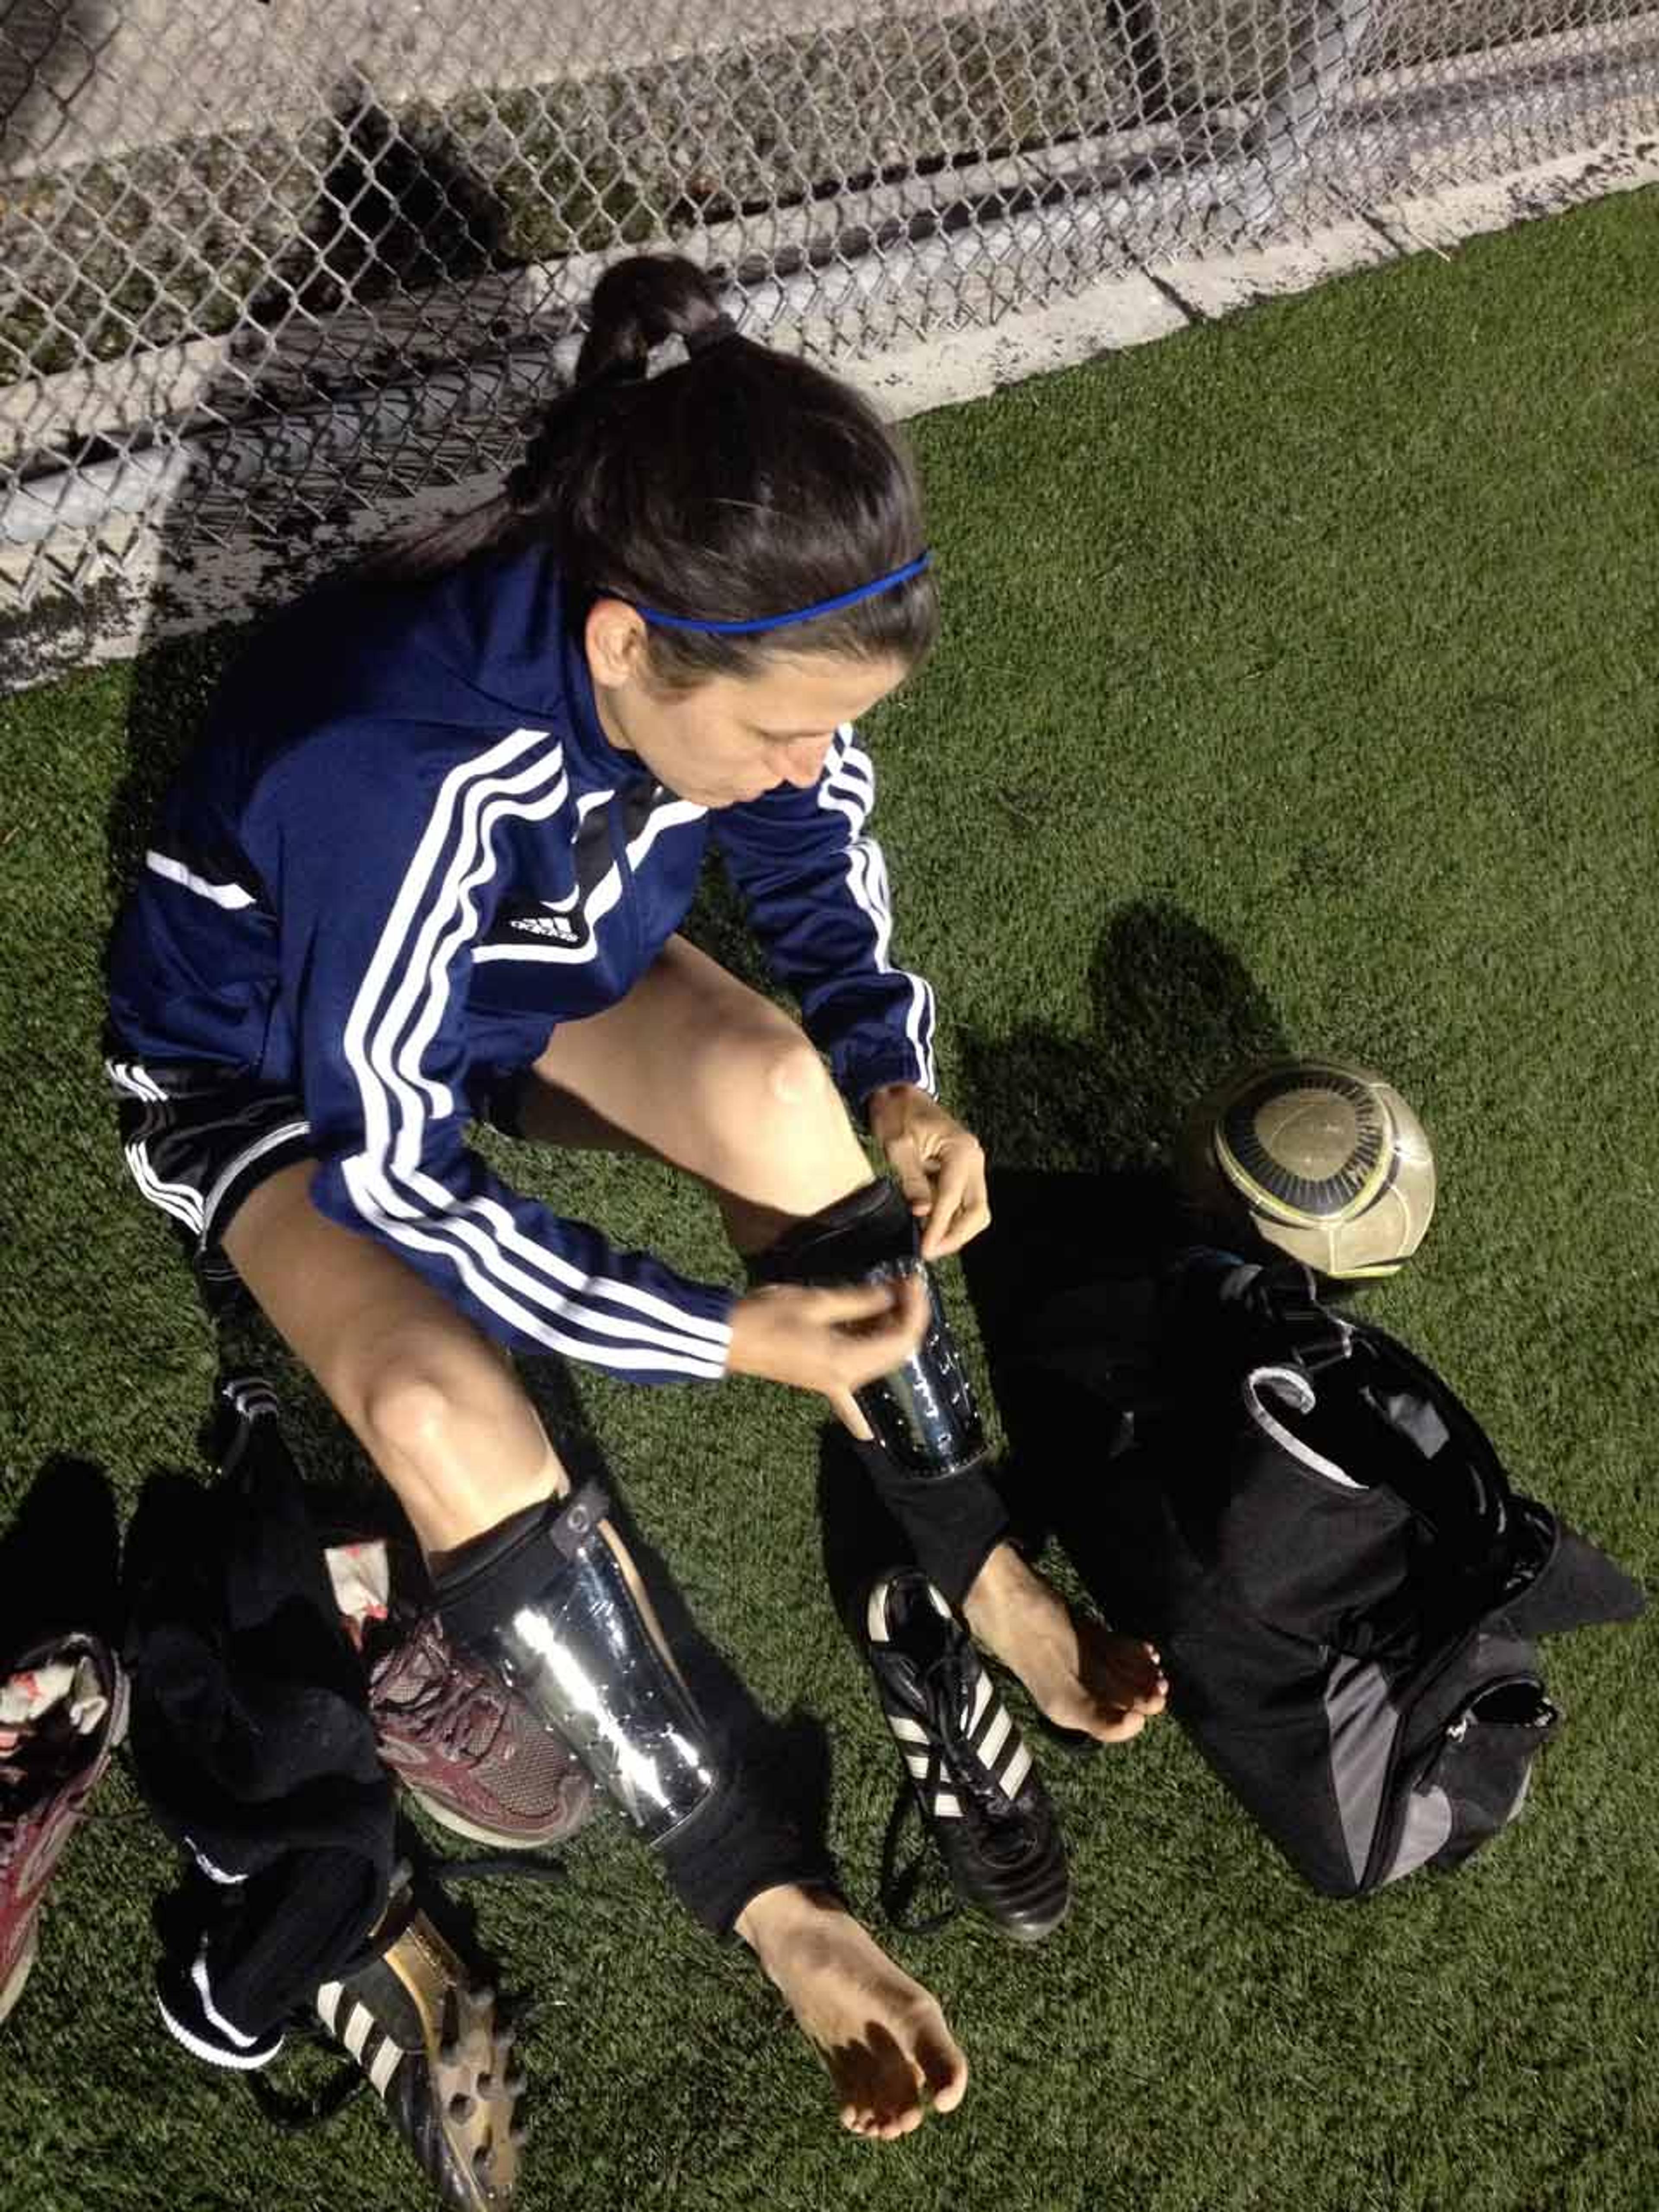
x=848, y=788
x=231, y=896
x=398, y=1011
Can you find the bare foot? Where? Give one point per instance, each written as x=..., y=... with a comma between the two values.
x=880, y=2034
x=1078, y=1671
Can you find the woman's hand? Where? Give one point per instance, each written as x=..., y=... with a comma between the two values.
x=832, y=1341
x=939, y=1165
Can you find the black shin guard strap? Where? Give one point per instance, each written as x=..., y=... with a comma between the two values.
x=735, y=1845
x=861, y=1235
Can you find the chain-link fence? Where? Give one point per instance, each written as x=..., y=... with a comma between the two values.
x=269, y=264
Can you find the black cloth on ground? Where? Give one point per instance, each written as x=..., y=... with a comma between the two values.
x=251, y=1741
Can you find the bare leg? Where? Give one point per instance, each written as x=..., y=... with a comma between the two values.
x=433, y=1402
x=441, y=1414
x=697, y=1069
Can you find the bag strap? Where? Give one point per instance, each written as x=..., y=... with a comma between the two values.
x=1283, y=1300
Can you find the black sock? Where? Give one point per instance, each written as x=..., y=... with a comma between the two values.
x=953, y=1522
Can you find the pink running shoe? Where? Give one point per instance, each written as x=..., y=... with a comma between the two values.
x=63, y=1711
x=473, y=1755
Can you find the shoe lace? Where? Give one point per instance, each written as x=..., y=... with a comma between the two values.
x=966, y=1772
x=457, y=1709
x=953, y=1763
x=295, y=2112
x=897, y=1885
x=13, y=1826
x=26, y=1790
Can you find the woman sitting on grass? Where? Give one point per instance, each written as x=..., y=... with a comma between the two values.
x=432, y=868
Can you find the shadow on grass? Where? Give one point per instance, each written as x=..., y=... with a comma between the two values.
x=1079, y=1133
x=60, y=1558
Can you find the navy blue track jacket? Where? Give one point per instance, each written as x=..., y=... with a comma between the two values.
x=407, y=851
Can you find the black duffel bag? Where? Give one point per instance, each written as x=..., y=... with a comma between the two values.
x=1323, y=1544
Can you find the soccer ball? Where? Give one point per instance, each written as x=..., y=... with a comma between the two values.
x=1329, y=1163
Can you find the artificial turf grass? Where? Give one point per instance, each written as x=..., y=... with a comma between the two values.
x=1313, y=710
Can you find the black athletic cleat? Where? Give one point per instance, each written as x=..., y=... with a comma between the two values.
x=426, y=2033
x=969, y=1768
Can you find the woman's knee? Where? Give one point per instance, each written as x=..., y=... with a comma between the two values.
x=409, y=1411
x=784, y=1113
x=789, y=1102
x=434, y=1403
x=458, y=1441
x=786, y=1148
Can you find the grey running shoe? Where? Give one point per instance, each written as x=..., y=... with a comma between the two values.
x=426, y=2033
x=475, y=1756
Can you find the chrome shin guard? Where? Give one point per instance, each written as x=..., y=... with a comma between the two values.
x=923, y=1414
x=545, y=1600
x=927, y=1459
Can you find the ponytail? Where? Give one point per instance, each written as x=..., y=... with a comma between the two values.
x=640, y=303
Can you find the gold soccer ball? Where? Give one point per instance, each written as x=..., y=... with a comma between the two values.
x=1328, y=1162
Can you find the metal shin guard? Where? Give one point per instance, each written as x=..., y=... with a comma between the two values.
x=929, y=1461
x=544, y=1599
x=923, y=1413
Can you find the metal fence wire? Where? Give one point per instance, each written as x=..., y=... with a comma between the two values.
x=295, y=260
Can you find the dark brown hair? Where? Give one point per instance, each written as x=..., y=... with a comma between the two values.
x=740, y=484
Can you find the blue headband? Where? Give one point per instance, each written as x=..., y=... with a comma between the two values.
x=887, y=583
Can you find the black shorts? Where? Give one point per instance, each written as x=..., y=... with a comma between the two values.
x=199, y=1139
